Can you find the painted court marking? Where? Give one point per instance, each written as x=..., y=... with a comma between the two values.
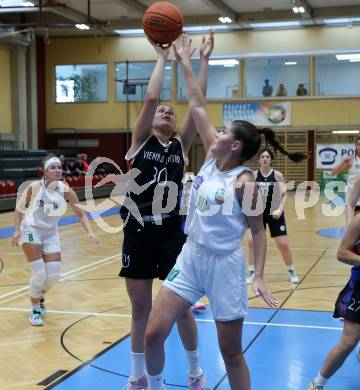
x=95, y=314
x=68, y=274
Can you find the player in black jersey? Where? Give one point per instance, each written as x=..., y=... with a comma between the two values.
x=151, y=246
x=271, y=184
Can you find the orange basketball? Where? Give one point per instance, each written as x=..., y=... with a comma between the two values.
x=163, y=22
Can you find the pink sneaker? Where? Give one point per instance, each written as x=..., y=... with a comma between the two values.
x=197, y=382
x=140, y=384
x=198, y=306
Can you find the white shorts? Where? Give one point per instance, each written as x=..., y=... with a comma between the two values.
x=221, y=277
x=48, y=239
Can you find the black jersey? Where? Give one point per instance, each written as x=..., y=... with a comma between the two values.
x=158, y=163
x=266, y=185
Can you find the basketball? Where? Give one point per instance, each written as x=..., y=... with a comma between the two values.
x=163, y=22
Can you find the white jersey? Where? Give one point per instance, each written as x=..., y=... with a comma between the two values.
x=46, y=208
x=353, y=174
x=215, y=218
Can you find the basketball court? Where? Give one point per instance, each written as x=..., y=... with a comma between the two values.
x=73, y=78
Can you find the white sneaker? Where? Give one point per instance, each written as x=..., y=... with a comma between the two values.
x=358, y=352
x=43, y=310
x=35, y=318
x=315, y=386
x=250, y=276
x=293, y=276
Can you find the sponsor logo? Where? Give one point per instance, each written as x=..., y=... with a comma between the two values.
x=197, y=182
x=220, y=195
x=172, y=274
x=126, y=260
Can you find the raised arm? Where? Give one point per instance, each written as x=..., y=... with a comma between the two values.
x=143, y=125
x=188, y=129
x=345, y=165
x=197, y=105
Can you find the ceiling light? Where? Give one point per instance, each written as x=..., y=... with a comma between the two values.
x=230, y=61
x=302, y=10
x=130, y=31
x=225, y=19
x=167, y=67
x=344, y=21
x=355, y=60
x=216, y=27
x=283, y=24
x=288, y=63
x=344, y=57
x=345, y=131
x=82, y=26
x=296, y=10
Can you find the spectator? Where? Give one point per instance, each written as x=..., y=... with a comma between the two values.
x=281, y=91
x=301, y=90
x=84, y=160
x=267, y=89
x=65, y=166
x=78, y=167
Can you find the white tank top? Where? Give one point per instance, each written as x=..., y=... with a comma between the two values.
x=215, y=218
x=46, y=208
x=353, y=174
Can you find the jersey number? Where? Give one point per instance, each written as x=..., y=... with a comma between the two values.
x=160, y=176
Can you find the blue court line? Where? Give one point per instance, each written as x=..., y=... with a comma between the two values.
x=336, y=233
x=281, y=357
x=68, y=220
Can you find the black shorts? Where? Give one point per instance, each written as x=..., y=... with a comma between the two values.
x=348, y=303
x=151, y=251
x=277, y=227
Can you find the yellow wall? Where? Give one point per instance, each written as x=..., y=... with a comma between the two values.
x=5, y=91
x=310, y=112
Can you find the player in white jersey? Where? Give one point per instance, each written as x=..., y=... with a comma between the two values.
x=211, y=262
x=37, y=214
x=351, y=164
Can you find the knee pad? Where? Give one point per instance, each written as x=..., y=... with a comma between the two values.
x=53, y=273
x=38, y=279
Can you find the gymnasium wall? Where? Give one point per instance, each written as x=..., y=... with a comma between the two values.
x=5, y=90
x=109, y=119
x=110, y=116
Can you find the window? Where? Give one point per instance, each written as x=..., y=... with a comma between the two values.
x=337, y=77
x=138, y=78
x=277, y=76
x=223, y=79
x=81, y=83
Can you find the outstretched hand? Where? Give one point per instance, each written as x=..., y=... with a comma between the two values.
x=184, y=53
x=207, y=46
x=260, y=289
x=15, y=238
x=93, y=238
x=162, y=51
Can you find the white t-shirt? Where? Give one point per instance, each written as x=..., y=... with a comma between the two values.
x=353, y=174
x=215, y=218
x=47, y=207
